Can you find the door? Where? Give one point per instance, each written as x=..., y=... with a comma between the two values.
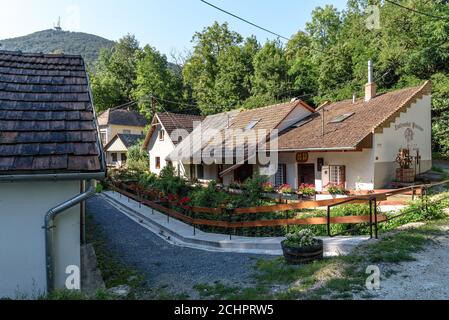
x=242, y=173
x=306, y=174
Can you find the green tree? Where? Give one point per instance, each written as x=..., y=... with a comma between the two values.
x=201, y=69
x=155, y=77
x=115, y=73
x=271, y=78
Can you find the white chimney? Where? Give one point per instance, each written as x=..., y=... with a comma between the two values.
x=370, y=88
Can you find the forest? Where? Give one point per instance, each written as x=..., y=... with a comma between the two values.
x=325, y=62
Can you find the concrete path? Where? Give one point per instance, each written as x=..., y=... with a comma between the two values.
x=182, y=235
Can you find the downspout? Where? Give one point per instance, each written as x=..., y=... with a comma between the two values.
x=49, y=226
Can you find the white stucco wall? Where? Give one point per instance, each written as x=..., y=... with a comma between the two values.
x=417, y=121
x=22, y=239
x=359, y=168
x=158, y=148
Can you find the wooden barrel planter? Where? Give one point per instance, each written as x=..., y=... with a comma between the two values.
x=304, y=255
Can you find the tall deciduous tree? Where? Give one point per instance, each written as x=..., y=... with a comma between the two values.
x=155, y=77
x=115, y=73
x=201, y=69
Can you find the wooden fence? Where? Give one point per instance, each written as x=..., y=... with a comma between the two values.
x=374, y=218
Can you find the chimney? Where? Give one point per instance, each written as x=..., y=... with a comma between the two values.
x=370, y=88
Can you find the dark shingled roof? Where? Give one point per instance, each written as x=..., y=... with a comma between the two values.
x=122, y=117
x=47, y=120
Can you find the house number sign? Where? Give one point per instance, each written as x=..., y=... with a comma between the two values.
x=302, y=157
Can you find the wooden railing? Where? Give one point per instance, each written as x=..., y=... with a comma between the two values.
x=373, y=219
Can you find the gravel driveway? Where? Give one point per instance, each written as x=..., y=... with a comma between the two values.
x=166, y=265
x=427, y=278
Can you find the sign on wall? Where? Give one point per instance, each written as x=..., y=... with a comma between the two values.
x=302, y=157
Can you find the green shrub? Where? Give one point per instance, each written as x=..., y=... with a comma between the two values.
x=209, y=197
x=170, y=183
x=138, y=159
x=147, y=179
x=99, y=188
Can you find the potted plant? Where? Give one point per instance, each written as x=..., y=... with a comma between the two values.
x=335, y=190
x=267, y=187
x=307, y=190
x=285, y=189
x=405, y=173
x=301, y=247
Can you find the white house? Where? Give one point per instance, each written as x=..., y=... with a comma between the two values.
x=117, y=149
x=167, y=131
x=352, y=143
x=49, y=148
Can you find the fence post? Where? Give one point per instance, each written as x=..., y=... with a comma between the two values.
x=375, y=219
x=371, y=217
x=230, y=221
x=193, y=222
x=329, y=221
x=413, y=194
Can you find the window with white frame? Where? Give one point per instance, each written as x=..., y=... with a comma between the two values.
x=161, y=135
x=104, y=137
x=337, y=175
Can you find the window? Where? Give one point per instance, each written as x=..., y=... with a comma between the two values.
x=126, y=131
x=124, y=157
x=252, y=124
x=281, y=175
x=200, y=172
x=337, y=175
x=342, y=117
x=162, y=135
x=104, y=137
x=320, y=164
x=114, y=157
x=158, y=163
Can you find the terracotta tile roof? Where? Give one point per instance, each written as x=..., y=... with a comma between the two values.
x=123, y=117
x=46, y=116
x=270, y=117
x=365, y=118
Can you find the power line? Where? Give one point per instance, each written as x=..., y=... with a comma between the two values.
x=416, y=11
x=244, y=20
x=255, y=25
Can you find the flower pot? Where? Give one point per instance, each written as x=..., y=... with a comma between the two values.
x=303, y=255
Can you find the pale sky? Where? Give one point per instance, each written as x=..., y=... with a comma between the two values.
x=165, y=25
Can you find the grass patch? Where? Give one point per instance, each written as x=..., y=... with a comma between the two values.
x=342, y=277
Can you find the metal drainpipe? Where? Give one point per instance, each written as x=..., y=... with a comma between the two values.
x=49, y=226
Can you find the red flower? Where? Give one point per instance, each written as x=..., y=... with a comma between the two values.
x=184, y=201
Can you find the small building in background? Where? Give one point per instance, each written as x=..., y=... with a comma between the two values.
x=167, y=131
x=120, y=121
x=117, y=149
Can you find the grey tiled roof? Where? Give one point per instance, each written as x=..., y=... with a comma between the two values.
x=123, y=117
x=130, y=140
x=46, y=115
